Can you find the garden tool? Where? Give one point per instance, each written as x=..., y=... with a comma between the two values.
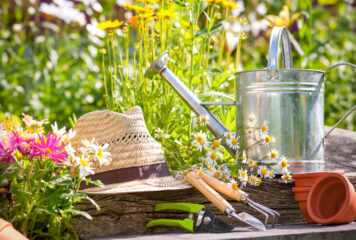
x=290, y=100
x=206, y=221
x=241, y=196
x=225, y=207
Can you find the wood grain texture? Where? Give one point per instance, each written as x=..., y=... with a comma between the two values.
x=125, y=214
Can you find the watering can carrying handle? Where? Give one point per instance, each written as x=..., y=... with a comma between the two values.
x=279, y=34
x=351, y=110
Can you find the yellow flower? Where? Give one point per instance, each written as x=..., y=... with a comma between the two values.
x=212, y=1
x=283, y=19
x=230, y=4
x=33, y=126
x=149, y=1
x=259, y=181
x=11, y=124
x=167, y=14
x=188, y=25
x=110, y=25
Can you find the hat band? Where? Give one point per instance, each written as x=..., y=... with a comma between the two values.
x=129, y=174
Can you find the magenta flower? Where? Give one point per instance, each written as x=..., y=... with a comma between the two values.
x=7, y=148
x=49, y=147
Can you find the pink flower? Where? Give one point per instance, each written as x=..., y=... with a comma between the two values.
x=49, y=147
x=7, y=148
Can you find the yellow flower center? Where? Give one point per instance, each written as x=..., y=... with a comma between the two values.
x=216, y=144
x=253, y=180
x=273, y=155
x=200, y=173
x=216, y=174
x=25, y=145
x=19, y=155
x=223, y=176
x=204, y=162
x=234, y=186
x=244, y=157
x=267, y=139
x=263, y=171
x=270, y=174
x=287, y=177
x=199, y=139
x=250, y=162
x=83, y=162
x=211, y=168
x=259, y=181
x=255, y=165
x=202, y=142
x=213, y=156
x=284, y=163
x=48, y=150
x=100, y=153
x=203, y=119
x=263, y=128
x=234, y=141
x=159, y=133
x=228, y=136
x=243, y=174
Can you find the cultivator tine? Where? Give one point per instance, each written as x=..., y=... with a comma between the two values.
x=265, y=211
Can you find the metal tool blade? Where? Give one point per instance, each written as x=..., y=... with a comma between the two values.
x=249, y=219
x=210, y=223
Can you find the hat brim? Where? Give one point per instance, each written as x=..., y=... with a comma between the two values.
x=147, y=185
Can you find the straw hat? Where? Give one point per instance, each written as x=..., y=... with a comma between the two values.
x=137, y=164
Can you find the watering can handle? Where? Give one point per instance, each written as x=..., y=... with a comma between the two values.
x=279, y=34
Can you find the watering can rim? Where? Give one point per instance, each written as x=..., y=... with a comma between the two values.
x=281, y=70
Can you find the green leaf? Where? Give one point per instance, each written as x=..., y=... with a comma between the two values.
x=205, y=31
x=180, y=3
x=77, y=212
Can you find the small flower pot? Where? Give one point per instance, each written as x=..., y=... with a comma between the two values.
x=332, y=200
x=308, y=179
x=304, y=209
x=301, y=195
x=7, y=232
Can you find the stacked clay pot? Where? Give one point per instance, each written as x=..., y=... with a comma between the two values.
x=332, y=200
x=303, y=185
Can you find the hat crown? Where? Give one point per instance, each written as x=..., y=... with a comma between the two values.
x=130, y=143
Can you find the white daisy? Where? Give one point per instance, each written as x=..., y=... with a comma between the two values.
x=234, y=143
x=160, y=134
x=200, y=141
x=262, y=171
x=101, y=156
x=228, y=136
x=71, y=134
x=270, y=174
x=249, y=132
x=265, y=139
x=253, y=180
x=84, y=167
x=283, y=165
x=225, y=172
x=233, y=185
x=88, y=146
x=273, y=154
x=244, y=181
x=251, y=163
x=287, y=177
x=242, y=174
x=70, y=151
x=216, y=144
x=216, y=173
x=264, y=128
x=58, y=132
x=244, y=157
x=212, y=156
x=204, y=119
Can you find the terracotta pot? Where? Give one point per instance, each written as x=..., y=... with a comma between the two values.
x=7, y=232
x=304, y=209
x=308, y=179
x=301, y=193
x=332, y=200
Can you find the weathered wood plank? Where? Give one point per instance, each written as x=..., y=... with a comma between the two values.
x=125, y=214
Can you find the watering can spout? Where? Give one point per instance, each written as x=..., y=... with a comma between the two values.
x=159, y=66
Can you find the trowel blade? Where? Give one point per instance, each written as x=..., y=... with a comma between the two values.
x=250, y=220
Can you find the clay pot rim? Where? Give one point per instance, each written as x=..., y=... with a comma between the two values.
x=347, y=201
x=315, y=174
x=301, y=189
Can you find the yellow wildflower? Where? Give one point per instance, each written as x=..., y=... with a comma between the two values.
x=283, y=19
x=33, y=126
x=230, y=4
x=212, y=1
x=110, y=25
x=189, y=26
x=167, y=14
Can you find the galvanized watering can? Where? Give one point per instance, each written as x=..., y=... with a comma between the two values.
x=290, y=100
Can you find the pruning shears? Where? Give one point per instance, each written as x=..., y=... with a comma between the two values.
x=205, y=221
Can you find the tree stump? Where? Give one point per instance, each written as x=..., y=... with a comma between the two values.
x=124, y=214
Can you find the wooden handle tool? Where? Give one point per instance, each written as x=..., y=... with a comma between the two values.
x=207, y=191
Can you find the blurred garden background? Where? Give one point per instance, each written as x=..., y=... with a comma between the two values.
x=52, y=54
